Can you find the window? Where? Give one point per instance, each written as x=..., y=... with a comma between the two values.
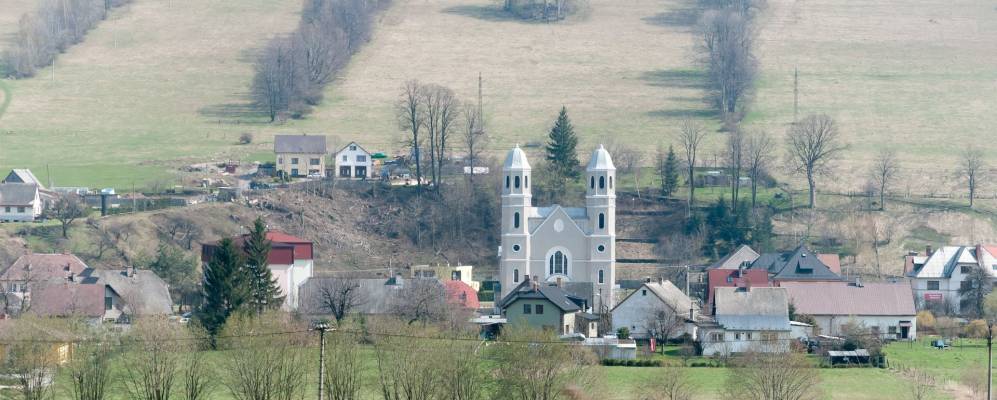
x=602, y=182
x=517, y=183
x=748, y=336
x=7, y=209
x=455, y=275
x=280, y=160
x=361, y=158
x=108, y=303
x=737, y=336
x=20, y=209
x=539, y=309
x=965, y=269
x=770, y=336
x=558, y=263
x=716, y=336
x=345, y=157
x=610, y=182
x=526, y=182
x=730, y=279
x=965, y=285
x=891, y=330
x=353, y=147
x=643, y=292
x=515, y=275
x=602, y=221
x=527, y=309
x=344, y=171
x=932, y=285
x=602, y=276
x=294, y=172
x=515, y=248
x=515, y=220
x=314, y=161
x=601, y=248
x=592, y=183
x=507, y=181
x=294, y=160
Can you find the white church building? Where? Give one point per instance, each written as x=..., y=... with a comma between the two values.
x=560, y=244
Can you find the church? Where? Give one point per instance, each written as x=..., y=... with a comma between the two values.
x=555, y=244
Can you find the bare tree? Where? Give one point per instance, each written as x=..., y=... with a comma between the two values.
x=813, y=144
x=263, y=365
x=441, y=108
x=344, y=368
x=971, y=169
x=409, y=111
x=197, y=378
x=277, y=83
x=758, y=153
x=921, y=385
x=31, y=357
x=531, y=365
x=420, y=300
x=475, y=136
x=770, y=376
x=406, y=368
x=884, y=169
x=90, y=371
x=662, y=322
x=154, y=361
x=340, y=297
x=691, y=136
x=669, y=384
x=67, y=210
x=734, y=160
x=464, y=376
x=726, y=42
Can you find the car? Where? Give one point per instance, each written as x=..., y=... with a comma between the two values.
x=315, y=175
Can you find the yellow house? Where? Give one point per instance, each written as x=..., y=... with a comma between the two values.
x=463, y=273
x=300, y=155
x=31, y=334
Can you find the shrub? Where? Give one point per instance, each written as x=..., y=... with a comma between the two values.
x=977, y=328
x=925, y=320
x=246, y=138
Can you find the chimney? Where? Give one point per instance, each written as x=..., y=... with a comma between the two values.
x=72, y=277
x=129, y=271
x=927, y=250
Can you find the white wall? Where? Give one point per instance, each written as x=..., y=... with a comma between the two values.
x=634, y=312
x=290, y=278
x=348, y=158
x=831, y=324
x=742, y=341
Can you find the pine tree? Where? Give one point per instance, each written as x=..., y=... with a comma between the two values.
x=669, y=173
x=264, y=292
x=561, y=148
x=225, y=286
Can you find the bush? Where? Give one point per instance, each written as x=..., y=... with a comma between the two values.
x=976, y=328
x=623, y=333
x=246, y=138
x=925, y=320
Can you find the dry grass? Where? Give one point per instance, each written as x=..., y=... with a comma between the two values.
x=917, y=77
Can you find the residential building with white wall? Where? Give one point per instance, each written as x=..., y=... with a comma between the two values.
x=747, y=319
x=300, y=155
x=291, y=263
x=653, y=308
x=885, y=309
x=354, y=162
x=937, y=276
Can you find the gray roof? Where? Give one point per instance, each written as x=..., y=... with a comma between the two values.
x=671, y=295
x=299, y=144
x=840, y=298
x=374, y=295
x=944, y=261
x=799, y=265
x=144, y=293
x=600, y=161
x=755, y=309
x=554, y=294
x=734, y=260
x=516, y=160
x=18, y=194
x=22, y=176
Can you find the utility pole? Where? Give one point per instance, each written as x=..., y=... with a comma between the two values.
x=796, y=93
x=990, y=358
x=321, y=327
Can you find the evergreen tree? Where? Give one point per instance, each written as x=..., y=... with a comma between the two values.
x=561, y=151
x=669, y=173
x=264, y=292
x=225, y=286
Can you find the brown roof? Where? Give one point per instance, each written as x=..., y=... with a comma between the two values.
x=840, y=298
x=832, y=261
x=63, y=299
x=39, y=267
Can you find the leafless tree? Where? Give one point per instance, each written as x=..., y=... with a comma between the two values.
x=758, y=153
x=67, y=209
x=420, y=300
x=726, y=43
x=770, y=376
x=531, y=365
x=734, y=160
x=344, y=368
x=340, y=297
x=411, y=117
x=464, y=377
x=475, y=137
x=691, y=136
x=441, y=108
x=884, y=169
x=197, y=380
x=971, y=168
x=669, y=384
x=975, y=377
x=813, y=144
x=153, y=362
x=262, y=365
x=32, y=357
x=90, y=371
x=278, y=80
x=662, y=321
x=407, y=368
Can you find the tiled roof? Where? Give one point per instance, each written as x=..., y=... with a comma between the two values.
x=461, y=293
x=800, y=264
x=554, y=294
x=840, y=298
x=299, y=144
x=743, y=254
x=144, y=293
x=64, y=299
x=760, y=308
x=832, y=261
x=19, y=175
x=18, y=194
x=39, y=266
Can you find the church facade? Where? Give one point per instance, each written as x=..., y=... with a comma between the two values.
x=558, y=244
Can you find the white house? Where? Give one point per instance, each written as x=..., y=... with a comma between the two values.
x=654, y=307
x=937, y=276
x=291, y=263
x=353, y=161
x=555, y=243
x=885, y=309
x=747, y=319
x=20, y=202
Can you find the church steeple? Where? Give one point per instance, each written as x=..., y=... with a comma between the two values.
x=600, y=191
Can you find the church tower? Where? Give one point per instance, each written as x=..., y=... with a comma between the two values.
x=600, y=205
x=516, y=208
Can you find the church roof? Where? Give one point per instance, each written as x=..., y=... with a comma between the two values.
x=601, y=160
x=516, y=160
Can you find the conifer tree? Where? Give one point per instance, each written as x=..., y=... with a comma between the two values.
x=669, y=173
x=561, y=151
x=264, y=292
x=225, y=286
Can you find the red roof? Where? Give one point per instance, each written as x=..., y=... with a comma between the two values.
x=733, y=277
x=832, y=261
x=284, y=248
x=64, y=299
x=38, y=267
x=461, y=293
x=840, y=298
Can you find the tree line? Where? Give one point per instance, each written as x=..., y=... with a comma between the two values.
x=51, y=29
x=291, y=71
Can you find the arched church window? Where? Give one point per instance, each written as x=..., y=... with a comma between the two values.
x=515, y=220
x=507, y=181
x=558, y=263
x=602, y=276
x=592, y=182
x=526, y=182
x=602, y=221
x=610, y=182
x=602, y=182
x=517, y=183
x=515, y=275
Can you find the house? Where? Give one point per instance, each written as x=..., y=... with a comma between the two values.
x=738, y=277
x=546, y=306
x=56, y=337
x=374, y=296
x=22, y=176
x=291, y=262
x=462, y=294
x=20, y=202
x=745, y=267
x=354, y=162
x=93, y=302
x=653, y=308
x=937, y=276
x=886, y=309
x=143, y=292
x=32, y=268
x=300, y=155
x=555, y=243
x=799, y=265
x=463, y=273
x=747, y=319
